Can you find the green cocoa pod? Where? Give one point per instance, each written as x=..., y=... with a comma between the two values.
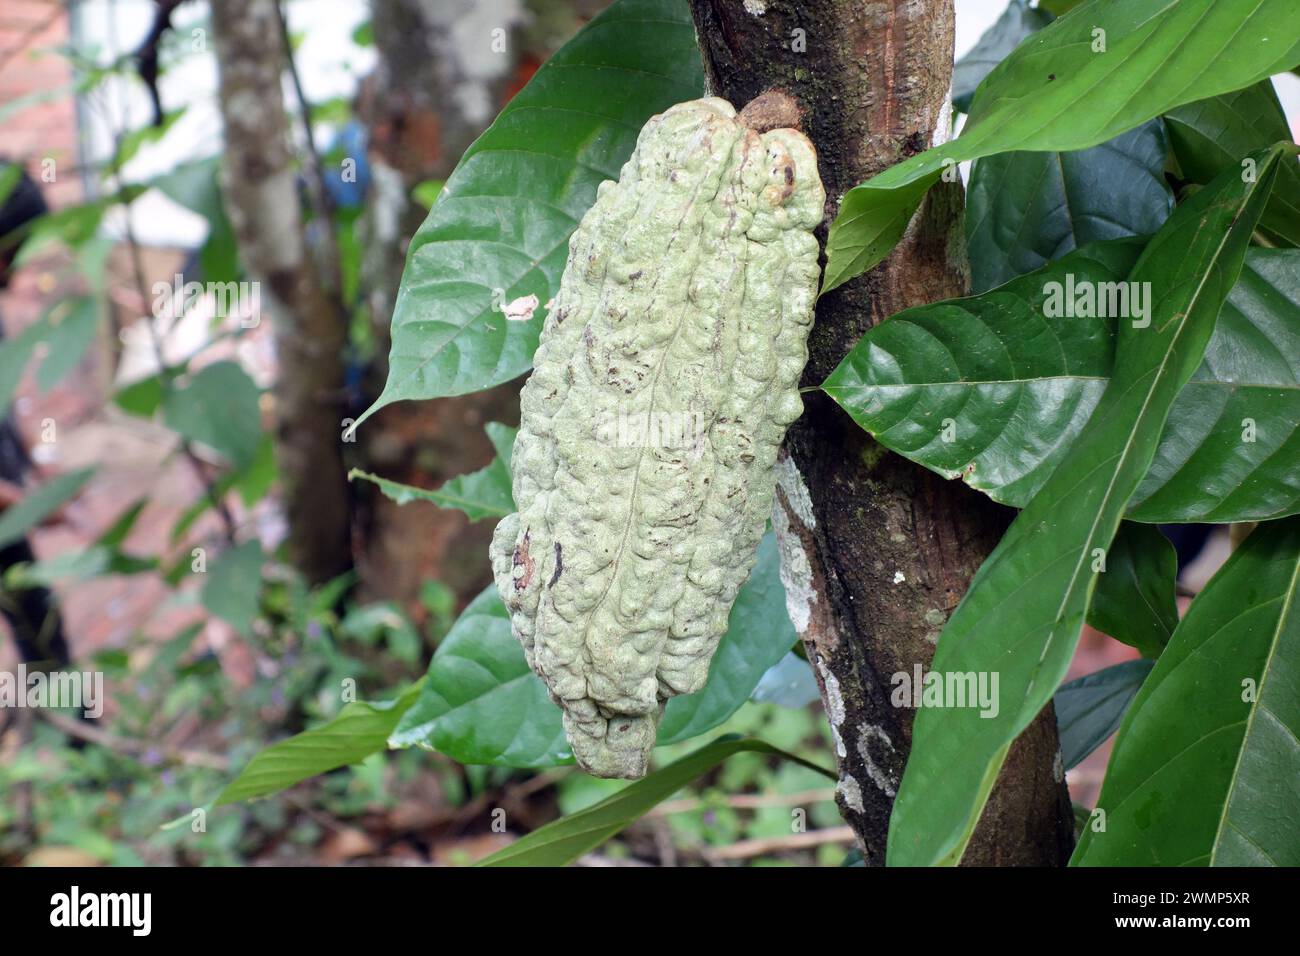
x=644, y=468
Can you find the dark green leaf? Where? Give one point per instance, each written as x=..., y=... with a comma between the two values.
x=360, y=729
x=121, y=527
x=1211, y=135
x=233, y=585
x=759, y=634
x=1055, y=93
x=1017, y=22
x=500, y=229
x=1231, y=449
x=218, y=407
x=482, y=705
x=39, y=503
x=565, y=840
x=1135, y=597
x=1206, y=765
x=143, y=397
x=1026, y=605
x=1089, y=710
x=485, y=493
x=1026, y=209
x=989, y=390
x=72, y=326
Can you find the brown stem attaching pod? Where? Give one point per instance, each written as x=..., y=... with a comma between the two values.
x=667, y=374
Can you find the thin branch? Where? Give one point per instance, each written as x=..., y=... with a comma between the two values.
x=187, y=448
x=133, y=748
x=322, y=202
x=745, y=801
x=146, y=54
x=746, y=849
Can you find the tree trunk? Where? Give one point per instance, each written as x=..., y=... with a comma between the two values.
x=261, y=198
x=876, y=551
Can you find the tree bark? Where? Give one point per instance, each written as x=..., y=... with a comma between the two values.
x=876, y=551
x=261, y=197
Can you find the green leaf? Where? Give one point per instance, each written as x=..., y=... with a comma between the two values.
x=1211, y=135
x=1089, y=710
x=142, y=398
x=360, y=729
x=759, y=634
x=120, y=529
x=1022, y=615
x=1231, y=449
x=72, y=326
x=565, y=840
x=233, y=585
x=39, y=503
x=1025, y=209
x=1135, y=599
x=788, y=683
x=485, y=493
x=383, y=621
x=500, y=228
x=482, y=705
x=14, y=356
x=129, y=144
x=255, y=480
x=197, y=186
x=427, y=192
x=1018, y=21
x=1055, y=93
x=1058, y=7
x=1206, y=764
x=988, y=390
x=218, y=407
x=11, y=174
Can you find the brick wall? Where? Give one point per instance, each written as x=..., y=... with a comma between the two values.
x=48, y=129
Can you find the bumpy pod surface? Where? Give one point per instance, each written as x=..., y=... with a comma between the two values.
x=667, y=374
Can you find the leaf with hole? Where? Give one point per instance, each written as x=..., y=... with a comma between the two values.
x=499, y=230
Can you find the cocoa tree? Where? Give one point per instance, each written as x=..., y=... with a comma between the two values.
x=1115, y=369
x=886, y=550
